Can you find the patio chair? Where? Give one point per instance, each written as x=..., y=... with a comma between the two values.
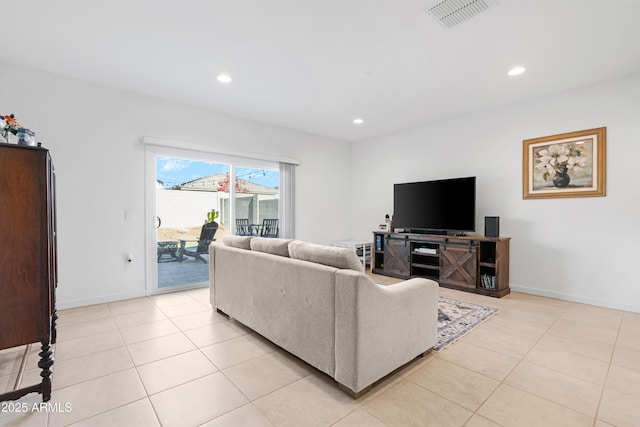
x=206, y=237
x=242, y=227
x=269, y=228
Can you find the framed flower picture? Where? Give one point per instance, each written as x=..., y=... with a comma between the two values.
x=566, y=165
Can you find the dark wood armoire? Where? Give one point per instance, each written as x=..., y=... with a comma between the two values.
x=28, y=263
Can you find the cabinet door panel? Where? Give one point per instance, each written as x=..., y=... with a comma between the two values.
x=396, y=257
x=459, y=265
x=22, y=256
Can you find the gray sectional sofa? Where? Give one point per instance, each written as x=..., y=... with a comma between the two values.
x=315, y=302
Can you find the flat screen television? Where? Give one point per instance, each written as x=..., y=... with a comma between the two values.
x=446, y=206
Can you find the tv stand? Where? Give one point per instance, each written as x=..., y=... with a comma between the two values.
x=468, y=263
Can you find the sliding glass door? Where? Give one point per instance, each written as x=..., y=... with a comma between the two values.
x=256, y=201
x=194, y=199
x=188, y=200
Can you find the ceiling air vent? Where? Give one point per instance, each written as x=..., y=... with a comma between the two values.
x=453, y=12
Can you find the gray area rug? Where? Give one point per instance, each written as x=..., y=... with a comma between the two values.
x=456, y=318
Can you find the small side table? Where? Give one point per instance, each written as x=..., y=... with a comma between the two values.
x=169, y=248
x=362, y=249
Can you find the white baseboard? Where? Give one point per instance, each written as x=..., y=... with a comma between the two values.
x=61, y=305
x=617, y=305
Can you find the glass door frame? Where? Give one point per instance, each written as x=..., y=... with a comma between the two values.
x=152, y=152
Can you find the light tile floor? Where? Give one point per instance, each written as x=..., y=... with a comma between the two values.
x=169, y=360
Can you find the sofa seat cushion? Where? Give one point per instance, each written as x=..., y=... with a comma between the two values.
x=241, y=242
x=273, y=246
x=343, y=258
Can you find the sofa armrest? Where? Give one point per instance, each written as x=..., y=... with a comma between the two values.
x=380, y=328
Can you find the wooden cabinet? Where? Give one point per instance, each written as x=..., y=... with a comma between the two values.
x=28, y=264
x=469, y=263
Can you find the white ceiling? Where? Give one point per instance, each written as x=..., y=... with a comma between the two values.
x=300, y=63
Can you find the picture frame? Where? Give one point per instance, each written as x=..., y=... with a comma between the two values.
x=570, y=164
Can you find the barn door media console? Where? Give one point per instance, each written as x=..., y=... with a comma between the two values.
x=467, y=263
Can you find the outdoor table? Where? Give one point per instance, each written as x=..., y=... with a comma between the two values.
x=256, y=229
x=169, y=247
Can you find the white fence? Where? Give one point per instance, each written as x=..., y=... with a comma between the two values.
x=181, y=209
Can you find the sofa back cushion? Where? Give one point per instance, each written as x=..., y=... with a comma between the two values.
x=291, y=302
x=241, y=242
x=273, y=246
x=343, y=258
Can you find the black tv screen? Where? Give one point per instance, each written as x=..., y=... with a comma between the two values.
x=442, y=205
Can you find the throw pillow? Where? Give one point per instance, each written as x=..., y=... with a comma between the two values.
x=273, y=246
x=242, y=242
x=327, y=255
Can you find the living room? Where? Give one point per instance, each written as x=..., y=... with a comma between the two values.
x=579, y=250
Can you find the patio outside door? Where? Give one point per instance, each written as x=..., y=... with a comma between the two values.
x=257, y=197
x=187, y=190
x=189, y=196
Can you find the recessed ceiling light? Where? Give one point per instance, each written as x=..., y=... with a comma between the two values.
x=358, y=121
x=516, y=71
x=223, y=78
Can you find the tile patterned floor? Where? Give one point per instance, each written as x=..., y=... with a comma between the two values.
x=169, y=360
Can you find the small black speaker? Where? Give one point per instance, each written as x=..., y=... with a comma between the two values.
x=492, y=226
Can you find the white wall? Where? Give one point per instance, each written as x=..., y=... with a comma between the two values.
x=93, y=133
x=578, y=249
x=584, y=249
